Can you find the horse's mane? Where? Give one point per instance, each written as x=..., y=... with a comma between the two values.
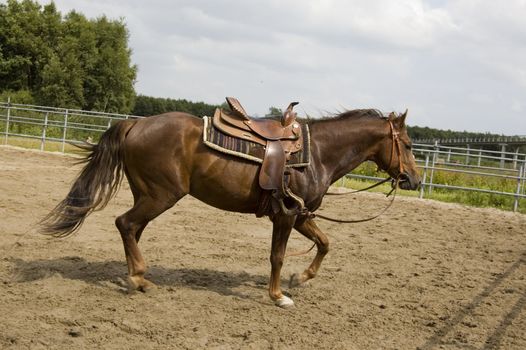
x=353, y=113
x=348, y=114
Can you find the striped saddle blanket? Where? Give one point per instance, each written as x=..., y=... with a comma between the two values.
x=219, y=141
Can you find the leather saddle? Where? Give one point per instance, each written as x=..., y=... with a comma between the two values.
x=281, y=138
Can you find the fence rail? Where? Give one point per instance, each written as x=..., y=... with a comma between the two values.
x=490, y=140
x=53, y=124
x=72, y=126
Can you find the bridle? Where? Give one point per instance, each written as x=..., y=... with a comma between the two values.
x=395, y=147
x=395, y=136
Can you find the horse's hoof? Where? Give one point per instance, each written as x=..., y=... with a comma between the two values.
x=295, y=280
x=284, y=302
x=140, y=284
x=146, y=286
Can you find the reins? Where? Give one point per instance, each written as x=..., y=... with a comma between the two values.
x=395, y=182
x=312, y=215
x=393, y=190
x=360, y=190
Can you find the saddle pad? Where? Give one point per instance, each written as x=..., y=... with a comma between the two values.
x=219, y=141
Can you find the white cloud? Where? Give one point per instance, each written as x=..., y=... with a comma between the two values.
x=404, y=24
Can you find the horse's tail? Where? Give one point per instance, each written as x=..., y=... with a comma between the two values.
x=94, y=187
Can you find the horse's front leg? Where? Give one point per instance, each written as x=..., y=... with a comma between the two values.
x=280, y=235
x=309, y=229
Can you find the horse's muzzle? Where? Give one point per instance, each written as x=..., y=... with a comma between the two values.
x=408, y=182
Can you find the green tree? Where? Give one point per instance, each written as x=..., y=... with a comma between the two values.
x=109, y=86
x=68, y=62
x=273, y=112
x=23, y=48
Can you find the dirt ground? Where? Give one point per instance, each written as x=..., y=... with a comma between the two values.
x=426, y=275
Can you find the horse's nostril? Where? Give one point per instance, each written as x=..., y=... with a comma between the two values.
x=404, y=177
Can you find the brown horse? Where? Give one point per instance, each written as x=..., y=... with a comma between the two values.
x=164, y=159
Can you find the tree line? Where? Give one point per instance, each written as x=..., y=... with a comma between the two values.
x=418, y=132
x=147, y=105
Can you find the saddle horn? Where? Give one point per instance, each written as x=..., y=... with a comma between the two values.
x=289, y=116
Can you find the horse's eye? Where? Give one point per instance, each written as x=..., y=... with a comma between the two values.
x=408, y=146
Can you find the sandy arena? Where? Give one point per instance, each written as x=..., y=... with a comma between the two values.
x=425, y=275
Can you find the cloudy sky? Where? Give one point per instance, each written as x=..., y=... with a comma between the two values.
x=457, y=65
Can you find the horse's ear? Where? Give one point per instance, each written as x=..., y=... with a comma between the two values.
x=401, y=119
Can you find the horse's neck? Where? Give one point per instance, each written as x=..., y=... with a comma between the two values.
x=342, y=145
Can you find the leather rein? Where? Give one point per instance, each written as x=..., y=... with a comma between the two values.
x=395, y=147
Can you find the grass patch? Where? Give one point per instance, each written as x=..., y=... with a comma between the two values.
x=48, y=146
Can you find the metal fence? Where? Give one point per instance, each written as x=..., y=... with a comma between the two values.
x=511, y=166
x=503, y=168
x=49, y=124
x=488, y=140
x=62, y=126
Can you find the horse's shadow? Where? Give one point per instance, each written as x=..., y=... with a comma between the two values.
x=115, y=273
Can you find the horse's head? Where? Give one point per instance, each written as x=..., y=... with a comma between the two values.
x=394, y=154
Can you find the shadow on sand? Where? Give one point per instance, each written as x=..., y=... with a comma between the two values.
x=100, y=273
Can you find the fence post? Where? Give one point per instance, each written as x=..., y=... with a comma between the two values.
x=480, y=157
x=424, y=176
x=516, y=202
x=502, y=155
x=64, y=131
x=7, y=120
x=515, y=157
x=44, y=128
x=467, y=153
x=432, y=174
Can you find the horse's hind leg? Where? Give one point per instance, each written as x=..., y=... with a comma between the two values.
x=130, y=225
x=309, y=229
